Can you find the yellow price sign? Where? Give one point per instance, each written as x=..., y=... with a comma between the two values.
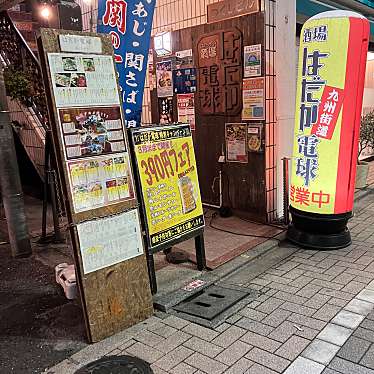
x=169, y=182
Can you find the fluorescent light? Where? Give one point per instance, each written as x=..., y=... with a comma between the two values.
x=162, y=44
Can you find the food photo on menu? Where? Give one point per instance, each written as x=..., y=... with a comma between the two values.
x=78, y=80
x=71, y=80
x=69, y=63
x=94, y=136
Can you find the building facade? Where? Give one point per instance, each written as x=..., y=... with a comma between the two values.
x=253, y=188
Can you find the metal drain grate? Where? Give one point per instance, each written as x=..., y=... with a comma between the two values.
x=117, y=365
x=211, y=302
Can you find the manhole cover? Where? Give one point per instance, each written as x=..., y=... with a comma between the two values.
x=211, y=302
x=117, y=365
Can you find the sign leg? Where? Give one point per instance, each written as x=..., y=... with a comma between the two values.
x=152, y=272
x=200, y=252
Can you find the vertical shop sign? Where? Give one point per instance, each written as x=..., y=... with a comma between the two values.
x=151, y=71
x=186, y=109
x=129, y=23
x=253, y=99
x=219, y=57
x=164, y=75
x=169, y=182
x=252, y=61
x=328, y=107
x=236, y=142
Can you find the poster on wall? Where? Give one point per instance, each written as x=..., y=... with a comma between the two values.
x=252, y=61
x=165, y=110
x=169, y=182
x=100, y=181
x=183, y=58
x=236, y=142
x=151, y=70
x=253, y=99
x=91, y=131
x=83, y=80
x=186, y=109
x=255, y=137
x=108, y=241
x=129, y=24
x=184, y=81
x=164, y=79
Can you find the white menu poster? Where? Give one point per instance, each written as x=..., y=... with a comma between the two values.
x=108, y=241
x=83, y=80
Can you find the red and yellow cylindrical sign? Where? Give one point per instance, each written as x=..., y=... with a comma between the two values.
x=332, y=62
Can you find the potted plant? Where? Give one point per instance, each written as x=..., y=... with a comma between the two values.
x=18, y=85
x=366, y=141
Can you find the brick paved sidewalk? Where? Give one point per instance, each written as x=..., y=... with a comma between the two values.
x=314, y=314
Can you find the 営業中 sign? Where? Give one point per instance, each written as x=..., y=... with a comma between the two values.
x=330, y=84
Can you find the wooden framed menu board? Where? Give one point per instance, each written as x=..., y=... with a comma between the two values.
x=95, y=170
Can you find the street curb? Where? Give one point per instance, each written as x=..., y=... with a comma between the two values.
x=362, y=193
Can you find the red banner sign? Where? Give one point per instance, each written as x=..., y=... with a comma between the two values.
x=328, y=114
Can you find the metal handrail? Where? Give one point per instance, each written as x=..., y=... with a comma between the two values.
x=14, y=51
x=22, y=39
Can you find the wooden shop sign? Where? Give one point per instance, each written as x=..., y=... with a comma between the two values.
x=231, y=8
x=220, y=72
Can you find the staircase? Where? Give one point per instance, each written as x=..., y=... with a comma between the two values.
x=31, y=120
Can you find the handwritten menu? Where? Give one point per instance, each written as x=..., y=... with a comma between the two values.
x=83, y=80
x=109, y=241
x=80, y=43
